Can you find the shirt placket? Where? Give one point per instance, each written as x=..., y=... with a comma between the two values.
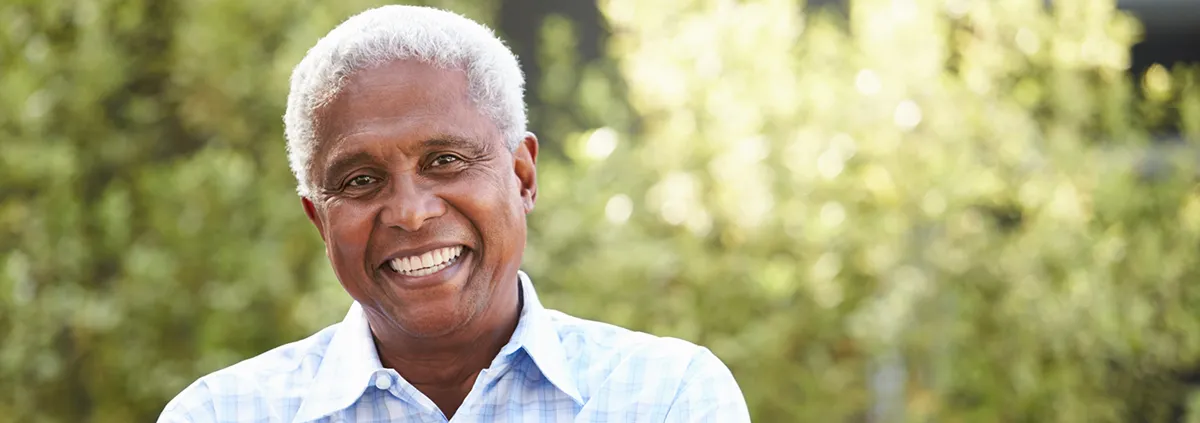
x=469, y=411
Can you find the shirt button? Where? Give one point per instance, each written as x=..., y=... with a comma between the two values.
x=383, y=382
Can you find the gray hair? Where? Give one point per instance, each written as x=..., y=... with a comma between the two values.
x=385, y=34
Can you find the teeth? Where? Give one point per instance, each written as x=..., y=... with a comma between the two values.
x=426, y=264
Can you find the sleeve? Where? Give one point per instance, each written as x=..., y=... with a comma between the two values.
x=708, y=394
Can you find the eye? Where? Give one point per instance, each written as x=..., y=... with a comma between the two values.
x=444, y=159
x=360, y=180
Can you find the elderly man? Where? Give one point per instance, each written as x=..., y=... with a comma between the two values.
x=406, y=131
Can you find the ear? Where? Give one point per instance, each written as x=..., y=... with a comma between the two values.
x=525, y=166
x=310, y=210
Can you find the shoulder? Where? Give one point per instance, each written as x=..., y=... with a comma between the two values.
x=607, y=357
x=279, y=375
x=582, y=337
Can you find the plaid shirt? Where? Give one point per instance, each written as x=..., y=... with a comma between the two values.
x=556, y=368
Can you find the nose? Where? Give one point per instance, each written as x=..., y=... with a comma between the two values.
x=410, y=204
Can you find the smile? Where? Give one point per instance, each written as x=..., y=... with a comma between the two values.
x=426, y=264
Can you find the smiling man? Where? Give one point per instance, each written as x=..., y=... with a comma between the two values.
x=406, y=133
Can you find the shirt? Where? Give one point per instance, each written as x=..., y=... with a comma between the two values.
x=555, y=368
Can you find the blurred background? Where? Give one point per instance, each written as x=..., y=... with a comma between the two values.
x=872, y=210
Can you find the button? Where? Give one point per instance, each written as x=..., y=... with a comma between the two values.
x=382, y=381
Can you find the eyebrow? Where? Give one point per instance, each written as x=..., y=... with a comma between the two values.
x=455, y=142
x=342, y=164
x=448, y=141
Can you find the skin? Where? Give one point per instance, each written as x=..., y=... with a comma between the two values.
x=406, y=163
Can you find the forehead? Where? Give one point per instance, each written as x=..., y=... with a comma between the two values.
x=402, y=102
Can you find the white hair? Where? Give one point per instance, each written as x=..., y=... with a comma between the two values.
x=385, y=34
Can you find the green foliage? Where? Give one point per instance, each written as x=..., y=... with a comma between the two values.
x=925, y=210
x=929, y=210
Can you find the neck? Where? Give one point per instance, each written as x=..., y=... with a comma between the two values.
x=445, y=367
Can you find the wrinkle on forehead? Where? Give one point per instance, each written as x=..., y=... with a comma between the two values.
x=366, y=86
x=435, y=104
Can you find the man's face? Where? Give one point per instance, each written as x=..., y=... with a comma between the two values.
x=421, y=205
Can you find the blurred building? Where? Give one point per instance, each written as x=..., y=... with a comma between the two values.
x=1171, y=32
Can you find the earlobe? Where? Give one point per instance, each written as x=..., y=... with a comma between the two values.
x=525, y=166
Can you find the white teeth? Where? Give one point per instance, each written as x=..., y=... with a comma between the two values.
x=427, y=263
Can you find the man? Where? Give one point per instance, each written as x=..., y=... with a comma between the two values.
x=406, y=132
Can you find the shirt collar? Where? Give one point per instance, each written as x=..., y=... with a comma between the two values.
x=537, y=335
x=351, y=360
x=345, y=371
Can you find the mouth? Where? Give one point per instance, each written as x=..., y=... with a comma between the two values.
x=426, y=263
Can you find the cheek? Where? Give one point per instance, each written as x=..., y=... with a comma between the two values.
x=494, y=205
x=349, y=231
x=486, y=194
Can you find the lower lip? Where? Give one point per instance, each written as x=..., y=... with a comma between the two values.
x=436, y=278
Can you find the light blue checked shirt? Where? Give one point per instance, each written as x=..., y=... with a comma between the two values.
x=556, y=368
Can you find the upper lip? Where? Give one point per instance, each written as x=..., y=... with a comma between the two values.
x=417, y=251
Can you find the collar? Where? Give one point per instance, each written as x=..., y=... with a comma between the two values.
x=349, y=363
x=537, y=335
x=351, y=360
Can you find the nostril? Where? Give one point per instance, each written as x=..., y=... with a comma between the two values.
x=409, y=206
